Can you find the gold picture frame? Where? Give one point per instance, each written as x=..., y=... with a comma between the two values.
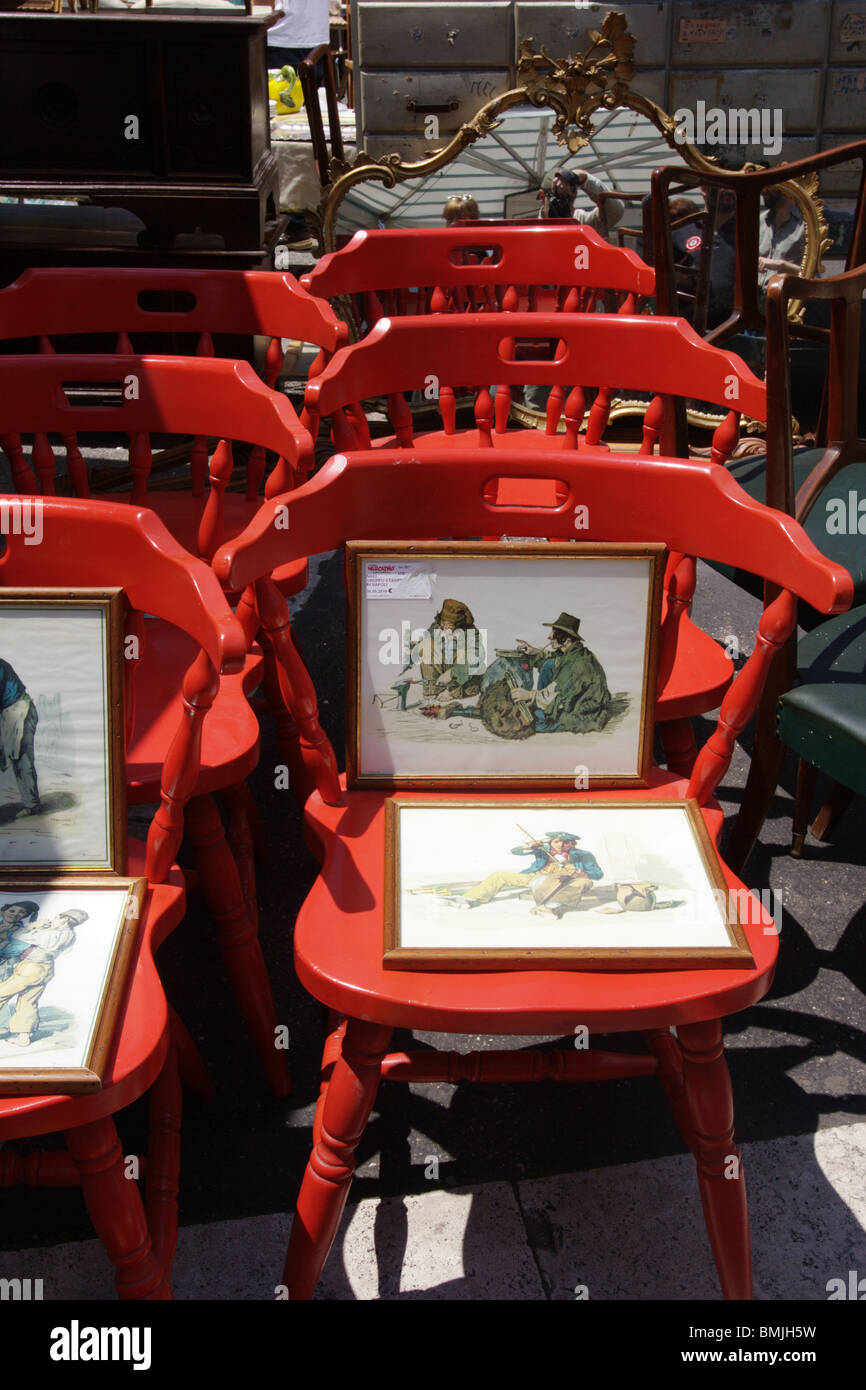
x=91, y=924
x=71, y=664
x=699, y=928
x=500, y=699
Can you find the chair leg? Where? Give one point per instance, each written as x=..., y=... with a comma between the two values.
x=665, y=1048
x=288, y=733
x=330, y=1054
x=193, y=1073
x=163, y=1159
x=832, y=811
x=678, y=741
x=242, y=954
x=242, y=794
x=328, y=1177
x=766, y=765
x=720, y=1171
x=802, y=805
x=240, y=841
x=116, y=1210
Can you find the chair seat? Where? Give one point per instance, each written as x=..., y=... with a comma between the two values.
x=230, y=734
x=826, y=725
x=847, y=550
x=142, y=1027
x=181, y=513
x=824, y=719
x=339, y=943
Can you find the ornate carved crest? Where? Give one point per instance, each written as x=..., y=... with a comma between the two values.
x=604, y=71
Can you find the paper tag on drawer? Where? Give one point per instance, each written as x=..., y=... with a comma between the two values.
x=399, y=579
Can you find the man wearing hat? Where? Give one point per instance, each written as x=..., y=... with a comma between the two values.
x=32, y=951
x=558, y=876
x=559, y=201
x=451, y=656
x=572, y=693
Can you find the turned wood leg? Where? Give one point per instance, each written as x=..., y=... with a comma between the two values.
x=221, y=886
x=678, y=741
x=330, y=1054
x=720, y=1170
x=116, y=1210
x=766, y=765
x=163, y=1160
x=193, y=1074
x=806, y=774
x=346, y=1109
x=288, y=733
x=832, y=811
x=242, y=794
x=665, y=1048
x=240, y=841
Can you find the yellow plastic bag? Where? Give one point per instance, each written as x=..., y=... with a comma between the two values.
x=284, y=87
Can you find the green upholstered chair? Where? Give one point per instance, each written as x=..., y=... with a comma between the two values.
x=823, y=489
x=824, y=719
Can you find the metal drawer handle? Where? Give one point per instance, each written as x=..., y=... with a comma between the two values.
x=432, y=109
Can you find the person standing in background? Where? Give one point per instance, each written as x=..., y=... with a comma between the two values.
x=559, y=201
x=303, y=25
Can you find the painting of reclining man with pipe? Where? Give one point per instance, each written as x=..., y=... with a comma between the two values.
x=502, y=661
x=623, y=884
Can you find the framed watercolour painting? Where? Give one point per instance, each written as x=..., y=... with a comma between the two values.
x=62, y=786
x=556, y=884
x=503, y=662
x=65, y=950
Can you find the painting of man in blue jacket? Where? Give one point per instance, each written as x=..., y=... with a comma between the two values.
x=18, y=720
x=558, y=876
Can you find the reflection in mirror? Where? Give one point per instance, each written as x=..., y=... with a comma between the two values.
x=509, y=171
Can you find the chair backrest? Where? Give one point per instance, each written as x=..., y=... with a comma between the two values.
x=64, y=302
x=845, y=295
x=114, y=546
x=694, y=508
x=660, y=356
x=310, y=84
x=478, y=267
x=123, y=301
x=205, y=398
x=747, y=311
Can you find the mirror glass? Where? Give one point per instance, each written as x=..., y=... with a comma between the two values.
x=505, y=170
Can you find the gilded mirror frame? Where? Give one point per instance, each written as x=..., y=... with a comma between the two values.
x=575, y=89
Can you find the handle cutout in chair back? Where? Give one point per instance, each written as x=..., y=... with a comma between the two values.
x=167, y=301
x=91, y=395
x=532, y=350
x=484, y=257
x=539, y=494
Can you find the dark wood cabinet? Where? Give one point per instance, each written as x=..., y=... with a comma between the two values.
x=163, y=114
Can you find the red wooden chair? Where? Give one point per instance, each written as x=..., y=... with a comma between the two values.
x=182, y=311
x=694, y=508
x=540, y=267
x=128, y=547
x=475, y=268
x=51, y=395
x=660, y=356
